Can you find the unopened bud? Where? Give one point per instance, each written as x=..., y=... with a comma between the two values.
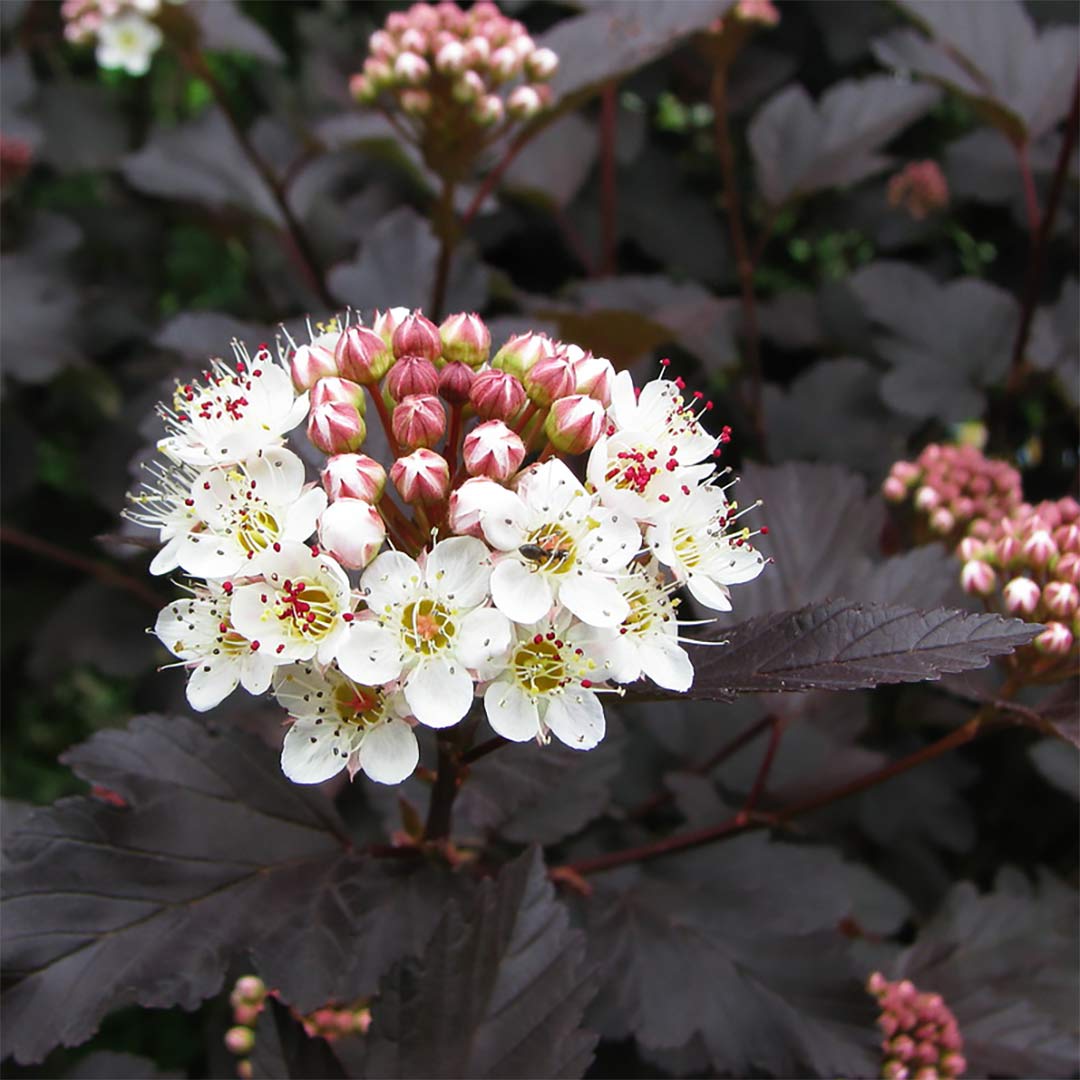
x=378, y=73
x=953, y=1065
x=595, y=377
x=467, y=88
x=942, y=521
x=421, y=477
x=352, y=531
x=353, y=476
x=491, y=449
x=416, y=335
x=362, y=90
x=971, y=547
x=1021, y=596
x=1008, y=550
x=1067, y=568
x=465, y=338
x=574, y=423
x=250, y=988
x=244, y=1069
x=455, y=383
x=978, y=578
x=893, y=489
x=239, y=1039
x=894, y=1070
x=504, y=64
x=549, y=379
x=497, y=395
x=336, y=390
x=488, y=110
x=1067, y=537
x=414, y=39
x=541, y=63
x=336, y=427
x=386, y=322
x=247, y=1014
x=524, y=102
x=1055, y=640
x=313, y=362
x=419, y=420
x=416, y=102
x=477, y=51
x=468, y=504
x=411, y=375
x=382, y=45
x=902, y=1046
x=363, y=356
x=411, y=69
x=451, y=58
x=926, y=498
x=1039, y=548
x=521, y=352
x=1061, y=598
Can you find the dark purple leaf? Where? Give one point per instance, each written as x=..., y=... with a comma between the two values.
x=215, y=855
x=843, y=645
x=396, y=268
x=223, y=27
x=284, y=1051
x=1060, y=712
x=110, y=1065
x=800, y=147
x=1020, y=78
x=554, y=165
x=199, y=335
x=1055, y=344
x=1057, y=763
x=945, y=343
x=499, y=992
x=84, y=129
x=1005, y=964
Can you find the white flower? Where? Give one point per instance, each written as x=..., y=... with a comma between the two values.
x=242, y=510
x=548, y=686
x=127, y=42
x=690, y=540
x=165, y=503
x=647, y=643
x=235, y=414
x=200, y=632
x=298, y=609
x=428, y=627
x=340, y=724
x=560, y=545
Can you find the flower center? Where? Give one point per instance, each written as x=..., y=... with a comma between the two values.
x=308, y=611
x=539, y=666
x=551, y=549
x=257, y=529
x=427, y=627
x=686, y=547
x=356, y=704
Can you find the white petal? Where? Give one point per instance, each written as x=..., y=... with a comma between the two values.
x=735, y=565
x=550, y=488
x=312, y=754
x=593, y=599
x=246, y=612
x=504, y=518
x=369, y=653
x=207, y=555
x=520, y=593
x=256, y=671
x=211, y=683
x=392, y=578
x=439, y=692
x=458, y=570
x=666, y=663
x=483, y=636
x=576, y=719
x=278, y=475
x=708, y=592
x=303, y=515
x=168, y=557
x=389, y=752
x=614, y=544
x=511, y=712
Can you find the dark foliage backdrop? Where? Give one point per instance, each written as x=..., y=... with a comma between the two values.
x=855, y=226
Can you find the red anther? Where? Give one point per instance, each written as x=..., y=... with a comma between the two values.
x=223, y=628
x=250, y=555
x=551, y=635
x=664, y=498
x=280, y=649
x=227, y=586
x=665, y=362
x=538, y=639
x=558, y=644
x=189, y=502
x=680, y=382
x=315, y=551
x=708, y=406
x=685, y=490
x=587, y=683
x=255, y=646
x=309, y=616
x=206, y=485
x=671, y=465
x=698, y=395
x=277, y=547
x=764, y=530
x=287, y=586
x=348, y=616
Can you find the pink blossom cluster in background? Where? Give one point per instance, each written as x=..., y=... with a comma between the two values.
x=920, y=188
x=922, y=1040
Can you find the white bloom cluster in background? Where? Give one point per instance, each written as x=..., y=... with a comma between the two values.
x=478, y=567
x=124, y=31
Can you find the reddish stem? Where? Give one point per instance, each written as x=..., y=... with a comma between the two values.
x=384, y=418
x=493, y=177
x=765, y=768
x=608, y=204
x=1031, y=197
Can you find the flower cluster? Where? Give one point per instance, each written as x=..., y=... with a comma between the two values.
x=920, y=188
x=954, y=486
x=482, y=565
x=454, y=74
x=248, y=999
x=922, y=1039
x=124, y=31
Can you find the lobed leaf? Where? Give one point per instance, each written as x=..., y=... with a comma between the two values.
x=216, y=854
x=843, y=645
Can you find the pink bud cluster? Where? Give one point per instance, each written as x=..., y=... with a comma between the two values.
x=456, y=71
x=920, y=188
x=922, y=1040
x=248, y=999
x=952, y=487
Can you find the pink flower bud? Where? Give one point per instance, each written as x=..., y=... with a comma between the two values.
x=411, y=375
x=250, y=988
x=971, y=547
x=382, y=45
x=244, y=1069
x=541, y=64
x=1069, y=509
x=247, y=1014
x=467, y=88
x=521, y=352
x=455, y=383
x=477, y=51
x=416, y=335
x=978, y=578
x=595, y=377
x=953, y=1065
x=1021, y=596
x=413, y=39
x=903, y=1047
x=926, y=498
x=1039, y=548
x=465, y=338
x=491, y=449
x=353, y=476
x=336, y=427
x=468, y=505
x=363, y=356
x=497, y=395
x=362, y=90
x=313, y=362
x=336, y=390
x=451, y=58
x=926, y=1072
x=893, y=490
x=352, y=531
x=378, y=73
x=549, y=379
x=488, y=110
x=876, y=984
x=894, y=1070
x=524, y=102
x=1067, y=537
x=1061, y=598
x=419, y=420
x=942, y=521
x=421, y=477
x=239, y=1040
x=504, y=64
x=416, y=102
x=926, y=1053
x=1067, y=568
x=411, y=69
x=1008, y=550
x=386, y=322
x=575, y=423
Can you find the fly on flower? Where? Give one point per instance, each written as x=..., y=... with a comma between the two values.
x=487, y=578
